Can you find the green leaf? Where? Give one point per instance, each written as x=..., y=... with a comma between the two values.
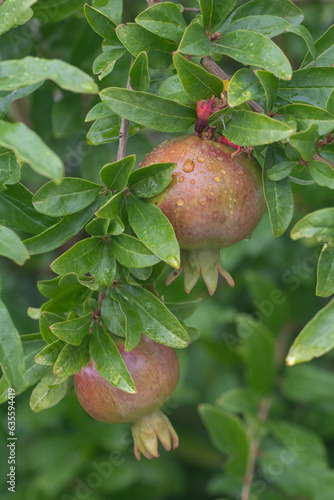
x=228, y=435
x=306, y=141
x=306, y=36
x=109, y=361
x=6, y=98
x=100, y=23
x=270, y=85
x=131, y=252
x=243, y=87
x=311, y=86
x=81, y=258
x=53, y=11
x=249, y=47
x=196, y=81
x=11, y=351
x=107, y=129
x=116, y=226
x=214, y=11
x=72, y=279
x=172, y=89
x=57, y=235
x=325, y=273
x=46, y=394
x=240, y=400
x=182, y=310
x=104, y=270
x=327, y=152
x=113, y=316
x=278, y=197
x=29, y=148
x=71, y=359
x=97, y=227
x=72, y=331
x=115, y=175
x=154, y=229
x=12, y=247
x=105, y=62
x=111, y=8
x=18, y=73
x=149, y=181
x=9, y=168
x=281, y=170
x=111, y=208
x=308, y=384
x=164, y=19
x=63, y=122
x=137, y=39
x=253, y=129
x=62, y=299
x=139, y=75
x=319, y=223
x=148, y=109
x=14, y=13
x=281, y=8
x=257, y=350
x=100, y=110
x=47, y=319
x=330, y=103
x=269, y=26
x=69, y=197
x=17, y=211
x=306, y=115
x=195, y=41
x=49, y=354
x=159, y=324
x=316, y=338
x=324, y=48
x=322, y=173
x=134, y=324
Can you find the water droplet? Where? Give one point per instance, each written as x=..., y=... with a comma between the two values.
x=251, y=44
x=219, y=158
x=201, y=159
x=203, y=201
x=230, y=198
x=237, y=182
x=231, y=190
x=201, y=171
x=180, y=202
x=231, y=212
x=192, y=181
x=205, y=178
x=222, y=219
x=181, y=179
x=212, y=193
x=215, y=215
x=216, y=179
x=230, y=205
x=235, y=200
x=223, y=172
x=210, y=186
x=188, y=166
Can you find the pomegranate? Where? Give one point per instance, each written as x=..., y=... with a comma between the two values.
x=155, y=371
x=215, y=200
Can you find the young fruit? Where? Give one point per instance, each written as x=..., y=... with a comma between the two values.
x=213, y=202
x=155, y=371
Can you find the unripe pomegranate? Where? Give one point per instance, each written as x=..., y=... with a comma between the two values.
x=214, y=201
x=155, y=371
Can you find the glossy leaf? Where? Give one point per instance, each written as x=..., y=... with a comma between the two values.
x=137, y=39
x=306, y=141
x=270, y=85
x=11, y=351
x=81, y=258
x=6, y=98
x=278, y=197
x=58, y=234
x=46, y=394
x=172, y=89
x=110, y=209
x=115, y=175
x=249, y=47
x=112, y=316
x=69, y=197
x=319, y=223
x=324, y=48
x=322, y=173
x=29, y=148
x=12, y=247
x=327, y=152
x=105, y=62
x=253, y=129
x=316, y=338
x=306, y=36
x=281, y=8
x=163, y=19
x=134, y=324
x=131, y=252
x=71, y=359
x=267, y=25
x=100, y=110
x=116, y=226
x=306, y=115
x=148, y=109
x=139, y=75
x=281, y=170
x=63, y=299
x=107, y=129
x=104, y=270
x=195, y=41
x=9, y=168
x=244, y=86
x=149, y=181
x=72, y=331
x=53, y=11
x=330, y=103
x=49, y=354
x=325, y=273
x=45, y=321
x=159, y=324
x=214, y=11
x=154, y=229
x=113, y=9
x=311, y=86
x=228, y=435
x=196, y=81
x=15, y=12
x=108, y=360
x=100, y=23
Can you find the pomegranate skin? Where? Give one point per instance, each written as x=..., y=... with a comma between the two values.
x=214, y=200
x=155, y=371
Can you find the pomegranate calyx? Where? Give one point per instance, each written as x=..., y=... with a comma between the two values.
x=150, y=429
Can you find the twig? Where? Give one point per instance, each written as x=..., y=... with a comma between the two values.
x=216, y=70
x=254, y=450
x=123, y=131
x=191, y=9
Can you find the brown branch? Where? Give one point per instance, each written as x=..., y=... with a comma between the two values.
x=216, y=70
x=254, y=450
x=124, y=130
x=191, y=9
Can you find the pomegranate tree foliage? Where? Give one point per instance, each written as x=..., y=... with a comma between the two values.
x=168, y=56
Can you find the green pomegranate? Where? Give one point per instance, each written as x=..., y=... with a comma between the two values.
x=214, y=201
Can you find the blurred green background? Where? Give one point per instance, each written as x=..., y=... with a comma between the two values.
x=62, y=452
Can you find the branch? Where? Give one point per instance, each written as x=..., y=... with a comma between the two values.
x=191, y=9
x=254, y=450
x=216, y=70
x=124, y=130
